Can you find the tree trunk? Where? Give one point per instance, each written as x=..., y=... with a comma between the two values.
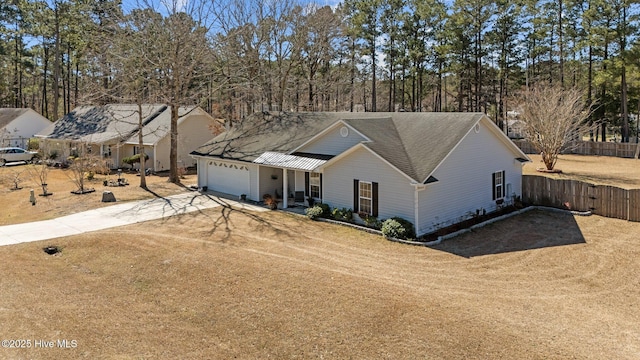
x=45, y=104
x=373, y=75
x=391, y=77
x=353, y=74
x=560, y=44
x=68, y=108
x=624, y=108
x=143, y=179
x=56, y=63
x=173, y=152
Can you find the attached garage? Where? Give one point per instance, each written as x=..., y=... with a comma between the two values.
x=228, y=177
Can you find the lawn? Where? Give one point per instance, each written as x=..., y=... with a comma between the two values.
x=599, y=170
x=62, y=202
x=225, y=284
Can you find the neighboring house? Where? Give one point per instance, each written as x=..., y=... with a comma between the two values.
x=515, y=126
x=112, y=131
x=17, y=126
x=433, y=169
x=515, y=129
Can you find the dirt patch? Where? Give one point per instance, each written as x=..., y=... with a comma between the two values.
x=224, y=284
x=599, y=170
x=63, y=202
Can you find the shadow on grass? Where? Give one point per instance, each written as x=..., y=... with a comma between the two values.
x=531, y=230
x=221, y=221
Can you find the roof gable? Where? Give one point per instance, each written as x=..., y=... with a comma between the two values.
x=8, y=115
x=333, y=140
x=416, y=143
x=158, y=127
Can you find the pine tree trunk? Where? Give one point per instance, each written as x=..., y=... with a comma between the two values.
x=56, y=63
x=143, y=179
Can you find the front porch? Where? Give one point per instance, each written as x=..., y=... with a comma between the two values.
x=291, y=180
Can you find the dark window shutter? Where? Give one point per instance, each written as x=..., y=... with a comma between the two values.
x=320, y=187
x=374, y=195
x=306, y=184
x=504, y=185
x=493, y=178
x=356, y=195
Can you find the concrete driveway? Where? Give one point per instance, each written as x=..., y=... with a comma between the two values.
x=116, y=215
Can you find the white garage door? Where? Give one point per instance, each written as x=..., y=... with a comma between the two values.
x=228, y=178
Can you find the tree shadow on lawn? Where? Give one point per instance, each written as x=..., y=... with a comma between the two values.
x=535, y=229
x=221, y=221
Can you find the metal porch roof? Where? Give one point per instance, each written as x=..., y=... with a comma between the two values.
x=293, y=162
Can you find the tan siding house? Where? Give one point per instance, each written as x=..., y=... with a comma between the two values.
x=112, y=131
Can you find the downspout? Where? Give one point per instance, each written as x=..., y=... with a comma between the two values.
x=155, y=159
x=416, y=204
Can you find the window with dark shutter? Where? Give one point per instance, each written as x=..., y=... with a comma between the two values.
x=374, y=197
x=498, y=185
x=356, y=195
x=315, y=181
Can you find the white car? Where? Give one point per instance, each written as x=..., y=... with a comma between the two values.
x=14, y=154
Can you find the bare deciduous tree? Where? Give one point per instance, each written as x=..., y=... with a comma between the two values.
x=83, y=164
x=553, y=118
x=40, y=172
x=15, y=177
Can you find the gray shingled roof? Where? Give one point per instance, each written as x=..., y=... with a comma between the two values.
x=415, y=143
x=101, y=124
x=7, y=115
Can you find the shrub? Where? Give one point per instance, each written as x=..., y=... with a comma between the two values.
x=326, y=210
x=314, y=212
x=343, y=214
x=398, y=228
x=33, y=144
x=370, y=220
x=270, y=201
x=134, y=159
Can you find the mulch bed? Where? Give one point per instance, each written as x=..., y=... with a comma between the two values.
x=85, y=191
x=466, y=224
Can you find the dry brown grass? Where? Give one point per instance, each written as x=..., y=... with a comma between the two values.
x=224, y=284
x=62, y=202
x=599, y=170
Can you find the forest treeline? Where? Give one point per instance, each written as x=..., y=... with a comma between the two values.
x=240, y=56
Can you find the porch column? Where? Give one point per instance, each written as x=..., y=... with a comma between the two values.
x=285, y=186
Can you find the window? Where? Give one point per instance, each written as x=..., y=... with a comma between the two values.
x=365, y=194
x=106, y=150
x=498, y=185
x=314, y=185
x=136, y=150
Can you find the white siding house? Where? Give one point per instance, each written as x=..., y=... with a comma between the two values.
x=395, y=192
x=17, y=126
x=433, y=169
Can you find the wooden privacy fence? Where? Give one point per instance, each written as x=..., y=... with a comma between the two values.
x=624, y=150
x=609, y=201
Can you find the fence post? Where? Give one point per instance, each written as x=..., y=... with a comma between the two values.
x=628, y=205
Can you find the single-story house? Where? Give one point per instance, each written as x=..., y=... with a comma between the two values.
x=17, y=126
x=433, y=169
x=112, y=131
